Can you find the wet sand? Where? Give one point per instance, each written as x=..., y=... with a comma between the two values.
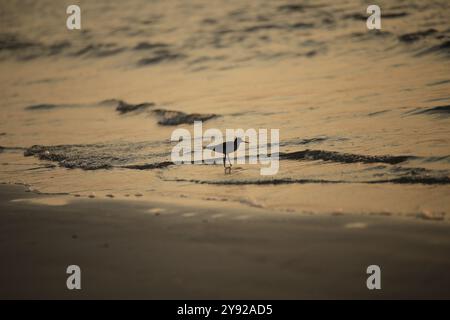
x=143, y=249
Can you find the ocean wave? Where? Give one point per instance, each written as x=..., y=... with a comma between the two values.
x=173, y=118
x=415, y=36
x=149, y=166
x=363, y=17
x=438, y=110
x=254, y=31
x=135, y=155
x=440, y=49
x=42, y=106
x=292, y=8
x=159, y=56
x=281, y=181
x=68, y=157
x=144, y=45
x=165, y=117
x=416, y=180
x=99, y=50
x=313, y=140
x=438, y=83
x=23, y=49
x=12, y=42
x=101, y=156
x=123, y=107
x=342, y=157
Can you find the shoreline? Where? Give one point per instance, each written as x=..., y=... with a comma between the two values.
x=155, y=250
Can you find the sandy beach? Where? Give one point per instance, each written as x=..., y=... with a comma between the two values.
x=150, y=250
x=355, y=122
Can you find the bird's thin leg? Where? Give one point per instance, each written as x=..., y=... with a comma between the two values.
x=229, y=161
x=225, y=167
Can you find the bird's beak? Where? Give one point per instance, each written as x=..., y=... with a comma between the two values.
x=245, y=141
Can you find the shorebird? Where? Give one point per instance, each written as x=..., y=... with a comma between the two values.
x=226, y=148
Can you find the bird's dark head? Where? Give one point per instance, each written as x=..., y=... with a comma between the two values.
x=239, y=140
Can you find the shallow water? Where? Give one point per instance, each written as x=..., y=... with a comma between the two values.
x=363, y=115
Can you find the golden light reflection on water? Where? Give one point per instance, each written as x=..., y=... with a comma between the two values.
x=357, y=91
